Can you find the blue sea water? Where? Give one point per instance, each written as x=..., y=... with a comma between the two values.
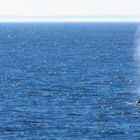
x=68, y=81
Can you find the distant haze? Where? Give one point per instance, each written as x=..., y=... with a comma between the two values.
x=69, y=10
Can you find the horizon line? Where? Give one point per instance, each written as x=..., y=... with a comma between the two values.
x=63, y=18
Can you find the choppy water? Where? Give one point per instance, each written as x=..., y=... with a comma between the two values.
x=68, y=81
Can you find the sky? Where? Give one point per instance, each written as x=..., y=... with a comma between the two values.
x=69, y=9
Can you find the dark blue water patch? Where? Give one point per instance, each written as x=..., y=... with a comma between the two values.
x=68, y=81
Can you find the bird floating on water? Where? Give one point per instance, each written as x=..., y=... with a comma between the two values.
x=138, y=102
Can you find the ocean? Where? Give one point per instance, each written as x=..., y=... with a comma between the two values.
x=69, y=81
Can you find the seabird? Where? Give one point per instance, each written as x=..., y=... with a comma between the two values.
x=138, y=102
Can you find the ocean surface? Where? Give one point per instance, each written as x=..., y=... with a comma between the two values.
x=69, y=81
